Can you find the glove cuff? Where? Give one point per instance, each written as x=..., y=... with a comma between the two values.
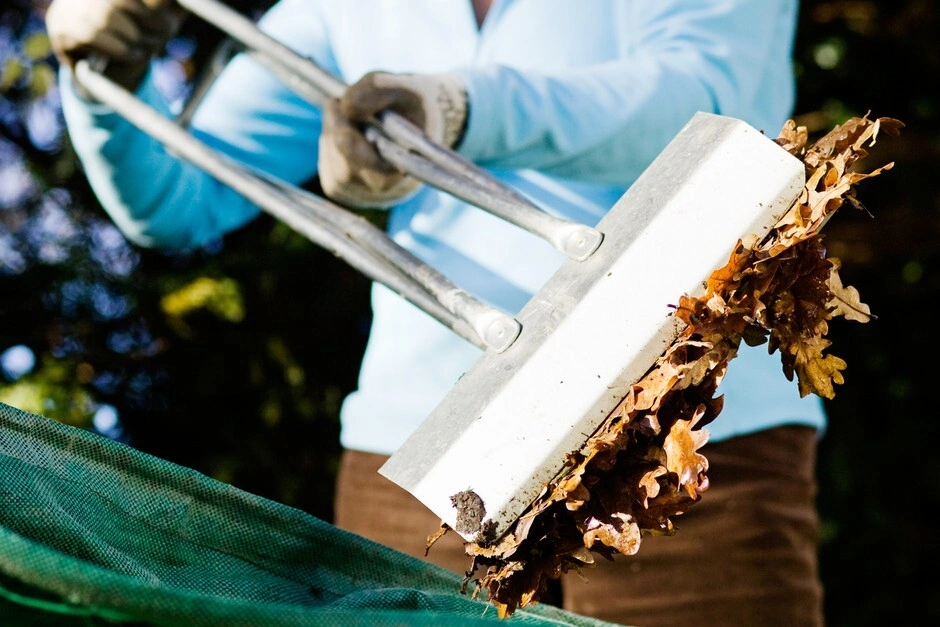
x=444, y=98
x=451, y=98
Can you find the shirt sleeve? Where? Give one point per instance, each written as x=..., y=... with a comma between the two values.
x=604, y=123
x=158, y=200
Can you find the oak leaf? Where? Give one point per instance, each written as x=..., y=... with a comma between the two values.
x=642, y=466
x=682, y=456
x=845, y=299
x=816, y=373
x=621, y=533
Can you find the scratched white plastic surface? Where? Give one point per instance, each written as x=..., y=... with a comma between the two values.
x=597, y=326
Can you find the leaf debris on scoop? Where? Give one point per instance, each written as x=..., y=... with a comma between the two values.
x=642, y=466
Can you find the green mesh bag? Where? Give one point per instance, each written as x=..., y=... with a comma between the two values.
x=93, y=532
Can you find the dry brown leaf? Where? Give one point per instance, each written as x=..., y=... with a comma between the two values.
x=641, y=468
x=620, y=532
x=816, y=372
x=682, y=456
x=845, y=299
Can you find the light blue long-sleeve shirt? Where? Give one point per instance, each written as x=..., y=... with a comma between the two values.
x=568, y=103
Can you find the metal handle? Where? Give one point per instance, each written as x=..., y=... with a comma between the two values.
x=358, y=242
x=415, y=154
x=574, y=240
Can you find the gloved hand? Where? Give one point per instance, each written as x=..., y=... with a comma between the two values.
x=351, y=171
x=126, y=32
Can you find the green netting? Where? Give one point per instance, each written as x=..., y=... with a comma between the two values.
x=95, y=532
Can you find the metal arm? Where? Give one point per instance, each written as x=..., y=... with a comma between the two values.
x=347, y=235
x=405, y=145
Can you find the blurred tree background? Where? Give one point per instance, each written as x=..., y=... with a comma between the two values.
x=233, y=359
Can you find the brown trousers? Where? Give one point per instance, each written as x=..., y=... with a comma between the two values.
x=745, y=555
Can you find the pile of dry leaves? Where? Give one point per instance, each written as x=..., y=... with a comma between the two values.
x=641, y=468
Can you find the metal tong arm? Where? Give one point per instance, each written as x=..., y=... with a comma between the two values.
x=352, y=238
x=401, y=142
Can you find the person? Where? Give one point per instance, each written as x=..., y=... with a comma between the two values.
x=565, y=102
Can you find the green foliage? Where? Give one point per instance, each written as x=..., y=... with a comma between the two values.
x=881, y=56
x=232, y=359
x=55, y=389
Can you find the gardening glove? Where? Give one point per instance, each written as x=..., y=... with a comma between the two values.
x=351, y=171
x=125, y=32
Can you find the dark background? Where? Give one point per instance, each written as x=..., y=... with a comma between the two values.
x=233, y=359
